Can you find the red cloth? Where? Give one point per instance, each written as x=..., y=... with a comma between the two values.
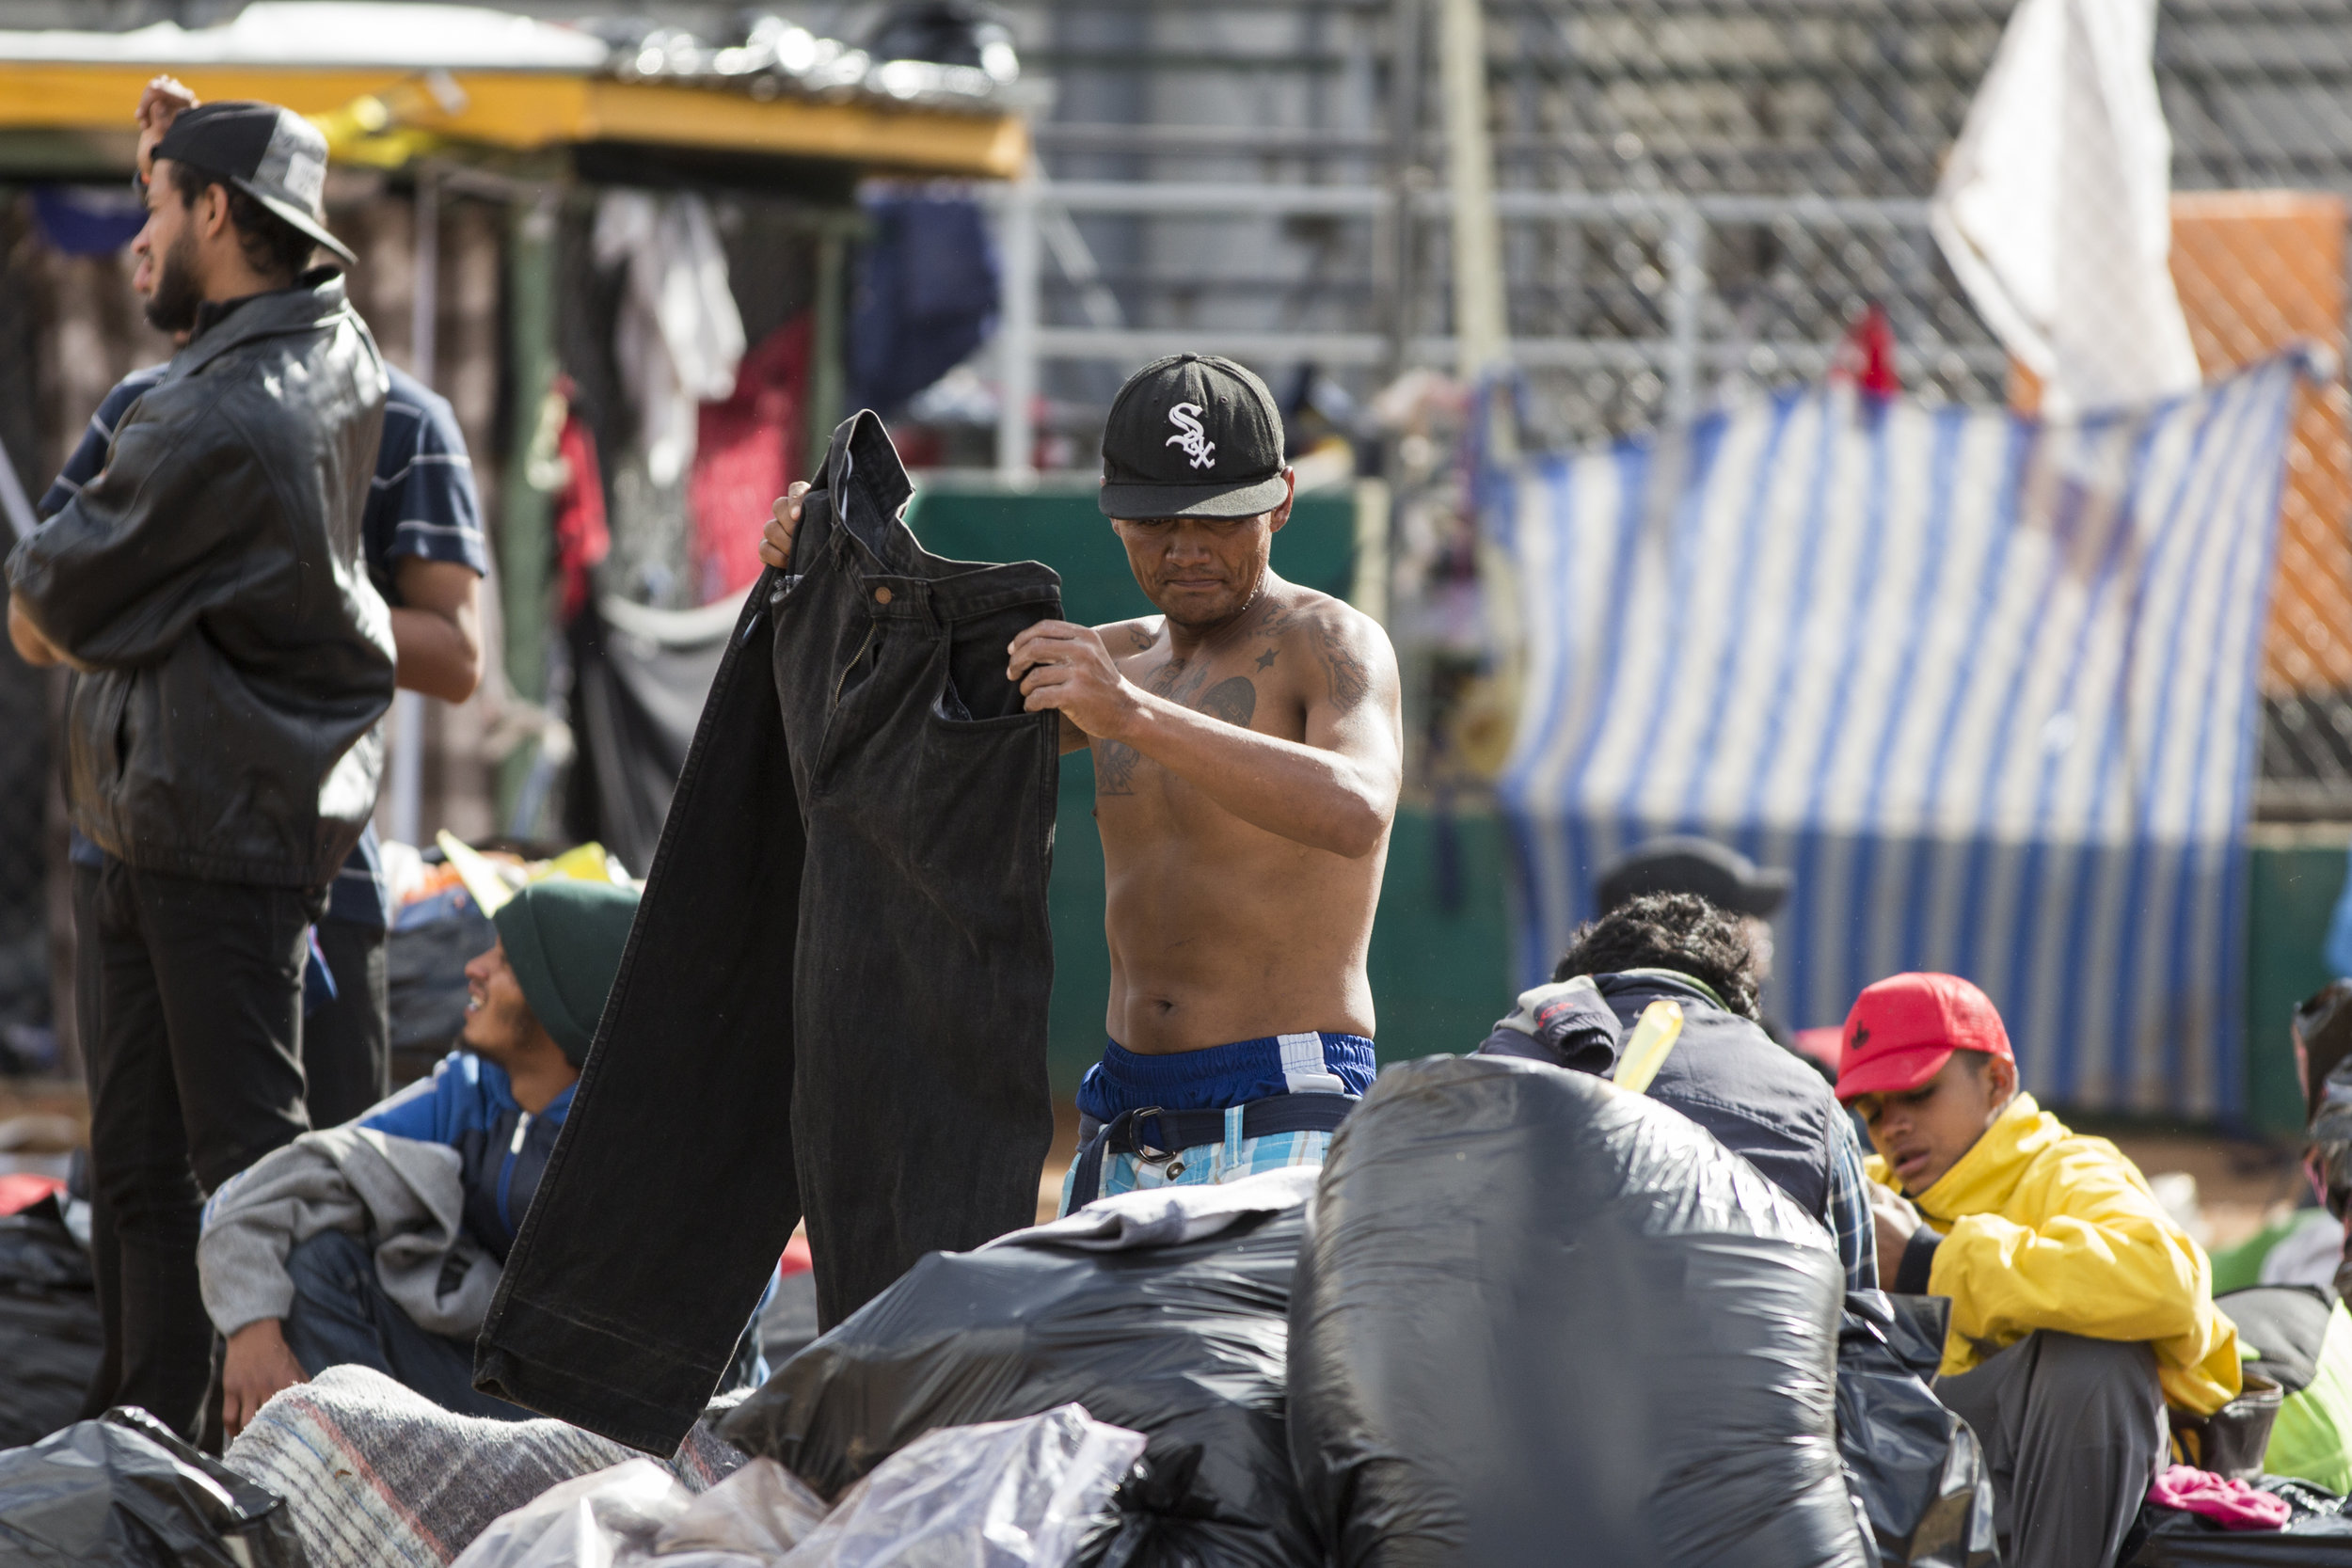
x=1867, y=357
x=796, y=1258
x=747, y=451
x=20, y=1190
x=581, y=538
x=2230, y=1504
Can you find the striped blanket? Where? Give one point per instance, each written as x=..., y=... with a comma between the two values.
x=377, y=1476
x=1984, y=683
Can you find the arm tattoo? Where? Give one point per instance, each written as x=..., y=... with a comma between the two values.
x=1234, y=701
x=1114, y=761
x=1139, y=638
x=1351, y=679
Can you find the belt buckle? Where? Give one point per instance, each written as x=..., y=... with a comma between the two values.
x=1144, y=1152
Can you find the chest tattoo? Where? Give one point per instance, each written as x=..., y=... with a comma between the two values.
x=1235, y=700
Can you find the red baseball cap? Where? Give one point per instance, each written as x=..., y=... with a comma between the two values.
x=1903, y=1029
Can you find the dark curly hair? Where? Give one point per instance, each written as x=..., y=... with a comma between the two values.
x=1679, y=931
x=272, y=247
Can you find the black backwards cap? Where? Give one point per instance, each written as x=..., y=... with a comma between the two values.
x=272, y=154
x=1192, y=436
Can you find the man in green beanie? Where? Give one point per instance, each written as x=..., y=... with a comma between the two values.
x=380, y=1241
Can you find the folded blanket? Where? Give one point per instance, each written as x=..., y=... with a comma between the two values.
x=376, y=1475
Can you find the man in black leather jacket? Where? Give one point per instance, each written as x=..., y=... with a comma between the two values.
x=233, y=662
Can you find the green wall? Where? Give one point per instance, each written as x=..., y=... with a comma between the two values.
x=1441, y=969
x=2295, y=876
x=1438, y=975
x=977, y=521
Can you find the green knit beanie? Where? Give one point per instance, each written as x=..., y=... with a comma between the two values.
x=563, y=940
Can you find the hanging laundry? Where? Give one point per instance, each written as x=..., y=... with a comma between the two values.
x=562, y=463
x=2055, y=206
x=750, y=449
x=924, y=296
x=679, y=337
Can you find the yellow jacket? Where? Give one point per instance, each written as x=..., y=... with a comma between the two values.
x=2046, y=1230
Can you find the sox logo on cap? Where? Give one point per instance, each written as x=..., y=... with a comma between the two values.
x=1185, y=417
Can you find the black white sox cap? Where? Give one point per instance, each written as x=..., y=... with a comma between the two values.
x=1192, y=436
x=272, y=154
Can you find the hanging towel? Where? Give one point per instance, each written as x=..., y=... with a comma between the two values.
x=2055, y=209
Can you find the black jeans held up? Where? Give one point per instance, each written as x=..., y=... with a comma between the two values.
x=834, y=995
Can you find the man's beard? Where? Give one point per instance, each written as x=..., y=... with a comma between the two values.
x=172, y=307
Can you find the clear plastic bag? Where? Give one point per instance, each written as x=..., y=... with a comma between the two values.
x=603, y=1520
x=762, y=1511
x=1005, y=1495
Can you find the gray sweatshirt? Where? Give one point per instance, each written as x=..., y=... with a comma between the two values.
x=406, y=1196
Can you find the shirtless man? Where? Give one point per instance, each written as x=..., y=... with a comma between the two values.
x=1247, y=752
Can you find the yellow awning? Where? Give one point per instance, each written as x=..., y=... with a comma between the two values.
x=528, y=110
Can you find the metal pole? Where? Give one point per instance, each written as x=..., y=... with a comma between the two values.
x=1405, y=173
x=1479, y=326
x=408, y=782
x=1016, y=335
x=829, y=378
x=1686, y=289
x=526, y=513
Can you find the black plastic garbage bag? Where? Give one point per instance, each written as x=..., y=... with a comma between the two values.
x=1183, y=1343
x=50, y=1335
x=122, y=1492
x=1913, y=1465
x=1540, y=1320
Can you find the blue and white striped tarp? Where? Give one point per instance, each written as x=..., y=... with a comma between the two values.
x=1984, y=683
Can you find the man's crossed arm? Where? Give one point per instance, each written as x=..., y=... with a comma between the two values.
x=1333, y=790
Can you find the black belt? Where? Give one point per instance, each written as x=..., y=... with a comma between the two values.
x=1172, y=1131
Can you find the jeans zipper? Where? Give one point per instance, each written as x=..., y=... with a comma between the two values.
x=842, y=679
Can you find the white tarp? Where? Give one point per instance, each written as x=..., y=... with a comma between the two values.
x=367, y=33
x=2055, y=209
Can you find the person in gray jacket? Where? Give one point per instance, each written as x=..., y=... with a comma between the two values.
x=378, y=1244
x=231, y=663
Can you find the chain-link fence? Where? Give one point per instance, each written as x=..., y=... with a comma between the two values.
x=28, y=849
x=1699, y=198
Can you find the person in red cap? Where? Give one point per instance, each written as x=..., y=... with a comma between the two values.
x=2080, y=1309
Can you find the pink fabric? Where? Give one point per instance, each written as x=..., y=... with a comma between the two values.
x=582, y=537
x=2231, y=1504
x=20, y=1190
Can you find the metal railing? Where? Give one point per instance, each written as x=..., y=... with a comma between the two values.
x=1681, y=355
